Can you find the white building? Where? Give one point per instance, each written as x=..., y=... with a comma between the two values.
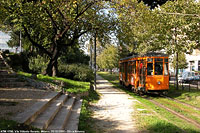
x=193, y=61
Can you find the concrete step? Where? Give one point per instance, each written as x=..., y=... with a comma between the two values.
x=6, y=75
x=2, y=63
x=29, y=115
x=3, y=72
x=13, y=84
x=8, y=79
x=5, y=68
x=45, y=118
x=63, y=115
x=72, y=124
x=1, y=60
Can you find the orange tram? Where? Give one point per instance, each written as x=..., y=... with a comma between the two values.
x=148, y=73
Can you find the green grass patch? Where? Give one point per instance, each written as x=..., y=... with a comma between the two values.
x=157, y=119
x=85, y=121
x=152, y=118
x=70, y=86
x=192, y=97
x=12, y=125
x=180, y=108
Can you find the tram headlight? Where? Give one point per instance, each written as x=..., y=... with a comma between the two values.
x=132, y=79
x=158, y=82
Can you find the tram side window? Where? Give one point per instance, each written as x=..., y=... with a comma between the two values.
x=122, y=67
x=158, y=68
x=129, y=71
x=150, y=69
x=134, y=68
x=150, y=66
x=166, y=69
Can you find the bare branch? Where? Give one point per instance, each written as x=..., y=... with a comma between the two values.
x=35, y=43
x=52, y=20
x=181, y=14
x=78, y=15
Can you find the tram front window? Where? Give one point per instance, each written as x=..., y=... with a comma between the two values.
x=150, y=69
x=158, y=68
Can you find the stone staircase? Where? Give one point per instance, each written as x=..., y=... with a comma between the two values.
x=57, y=112
x=8, y=78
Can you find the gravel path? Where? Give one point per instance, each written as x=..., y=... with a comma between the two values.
x=16, y=100
x=114, y=111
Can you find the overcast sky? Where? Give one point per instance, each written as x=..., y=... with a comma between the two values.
x=4, y=37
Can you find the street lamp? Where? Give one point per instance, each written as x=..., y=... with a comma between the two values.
x=95, y=44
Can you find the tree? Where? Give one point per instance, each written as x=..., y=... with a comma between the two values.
x=182, y=63
x=177, y=28
x=74, y=54
x=109, y=58
x=174, y=27
x=52, y=26
x=154, y=3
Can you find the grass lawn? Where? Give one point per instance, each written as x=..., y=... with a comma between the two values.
x=191, y=97
x=71, y=85
x=150, y=117
x=12, y=125
x=85, y=121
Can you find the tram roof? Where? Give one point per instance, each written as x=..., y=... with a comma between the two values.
x=153, y=54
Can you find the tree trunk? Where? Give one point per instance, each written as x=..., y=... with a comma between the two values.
x=177, y=70
x=52, y=67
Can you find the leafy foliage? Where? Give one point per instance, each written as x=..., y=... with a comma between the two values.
x=74, y=54
x=38, y=63
x=109, y=58
x=167, y=27
x=52, y=26
x=17, y=61
x=78, y=72
x=182, y=63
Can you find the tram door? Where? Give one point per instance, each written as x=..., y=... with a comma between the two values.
x=126, y=71
x=142, y=72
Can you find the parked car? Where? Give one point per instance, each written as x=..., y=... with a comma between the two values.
x=196, y=77
x=187, y=77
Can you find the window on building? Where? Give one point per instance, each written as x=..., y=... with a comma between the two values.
x=191, y=65
x=199, y=65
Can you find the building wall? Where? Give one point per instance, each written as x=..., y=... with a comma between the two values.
x=193, y=61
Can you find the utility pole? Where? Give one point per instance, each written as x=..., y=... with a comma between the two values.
x=176, y=48
x=20, y=40
x=95, y=44
x=91, y=58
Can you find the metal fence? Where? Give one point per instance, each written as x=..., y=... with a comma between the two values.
x=192, y=85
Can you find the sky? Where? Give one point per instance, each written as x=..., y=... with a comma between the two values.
x=3, y=39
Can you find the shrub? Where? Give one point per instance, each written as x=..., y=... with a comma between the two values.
x=38, y=64
x=17, y=61
x=78, y=72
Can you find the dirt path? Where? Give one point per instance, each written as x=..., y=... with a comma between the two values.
x=114, y=111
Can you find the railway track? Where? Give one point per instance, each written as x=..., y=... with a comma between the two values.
x=189, y=120
x=177, y=114
x=186, y=104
